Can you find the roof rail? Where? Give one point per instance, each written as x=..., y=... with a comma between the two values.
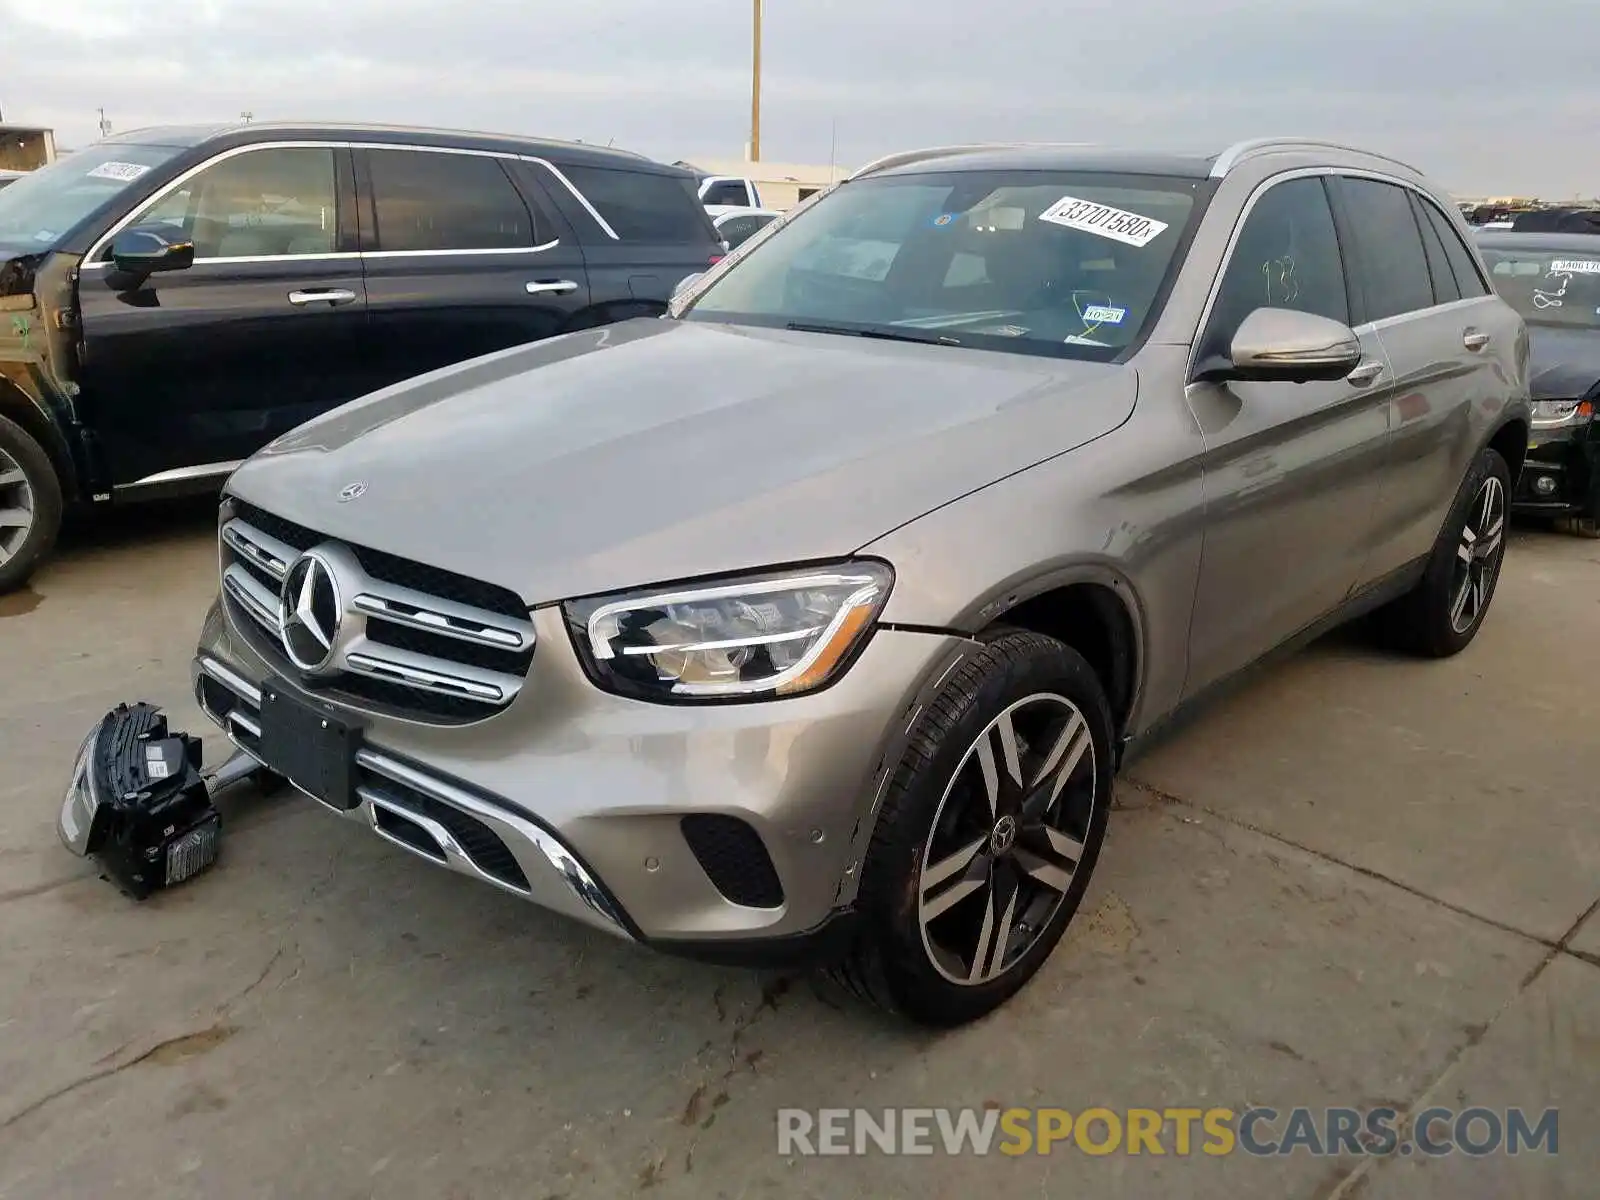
x=906, y=157
x=1239, y=151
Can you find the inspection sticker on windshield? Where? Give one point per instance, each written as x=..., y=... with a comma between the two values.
x=1575, y=266
x=126, y=172
x=1103, y=220
x=1103, y=314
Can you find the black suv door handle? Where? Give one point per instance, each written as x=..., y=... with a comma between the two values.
x=329, y=296
x=551, y=287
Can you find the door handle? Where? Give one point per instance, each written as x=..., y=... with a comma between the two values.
x=1473, y=340
x=329, y=296
x=551, y=287
x=1365, y=373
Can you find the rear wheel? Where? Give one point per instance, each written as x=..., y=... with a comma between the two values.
x=1444, y=612
x=988, y=835
x=30, y=505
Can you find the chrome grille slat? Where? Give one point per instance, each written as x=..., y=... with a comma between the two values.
x=432, y=614
x=252, y=597
x=267, y=551
x=419, y=670
x=394, y=648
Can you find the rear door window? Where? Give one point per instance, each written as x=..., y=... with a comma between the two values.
x=438, y=201
x=643, y=206
x=1392, y=265
x=1468, y=278
x=1445, y=289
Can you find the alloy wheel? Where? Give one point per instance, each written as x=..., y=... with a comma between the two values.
x=1478, y=555
x=1007, y=838
x=16, y=507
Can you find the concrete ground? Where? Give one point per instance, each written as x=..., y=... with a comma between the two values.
x=1358, y=881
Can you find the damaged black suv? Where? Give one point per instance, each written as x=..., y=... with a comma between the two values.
x=173, y=299
x=1553, y=280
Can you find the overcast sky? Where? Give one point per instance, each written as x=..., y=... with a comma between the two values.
x=1488, y=96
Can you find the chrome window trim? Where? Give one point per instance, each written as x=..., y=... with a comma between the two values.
x=452, y=253
x=1261, y=190
x=89, y=259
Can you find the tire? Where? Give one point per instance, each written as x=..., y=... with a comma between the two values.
x=908, y=957
x=1583, y=527
x=30, y=505
x=1437, y=619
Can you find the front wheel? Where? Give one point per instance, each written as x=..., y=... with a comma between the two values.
x=988, y=834
x=1444, y=612
x=30, y=505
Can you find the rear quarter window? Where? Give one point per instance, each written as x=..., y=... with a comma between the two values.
x=644, y=206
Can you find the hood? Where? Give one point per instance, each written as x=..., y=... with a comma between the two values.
x=658, y=450
x=1565, y=362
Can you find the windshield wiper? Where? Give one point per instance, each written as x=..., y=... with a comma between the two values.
x=884, y=332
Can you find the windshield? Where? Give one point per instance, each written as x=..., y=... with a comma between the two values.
x=36, y=210
x=1044, y=262
x=1549, y=285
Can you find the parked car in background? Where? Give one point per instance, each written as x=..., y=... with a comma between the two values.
x=738, y=226
x=173, y=299
x=722, y=194
x=1553, y=280
x=1010, y=455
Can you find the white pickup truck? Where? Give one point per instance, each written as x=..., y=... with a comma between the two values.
x=723, y=194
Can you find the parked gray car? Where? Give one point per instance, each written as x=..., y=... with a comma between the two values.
x=812, y=622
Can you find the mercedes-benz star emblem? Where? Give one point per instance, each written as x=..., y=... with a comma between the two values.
x=309, y=609
x=1004, y=835
x=352, y=491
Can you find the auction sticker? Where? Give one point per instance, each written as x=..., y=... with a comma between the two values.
x=1102, y=314
x=126, y=172
x=1103, y=220
x=1575, y=266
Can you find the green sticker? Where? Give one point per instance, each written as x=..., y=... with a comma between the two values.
x=23, y=328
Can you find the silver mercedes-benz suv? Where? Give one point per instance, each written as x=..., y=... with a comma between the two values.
x=813, y=620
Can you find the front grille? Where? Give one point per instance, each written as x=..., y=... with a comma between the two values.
x=389, y=568
x=417, y=642
x=735, y=859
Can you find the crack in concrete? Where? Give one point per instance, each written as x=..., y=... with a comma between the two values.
x=1352, y=1182
x=1171, y=800
x=163, y=1052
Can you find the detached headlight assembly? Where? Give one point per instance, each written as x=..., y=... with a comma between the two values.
x=760, y=637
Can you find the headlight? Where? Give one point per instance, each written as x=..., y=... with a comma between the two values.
x=771, y=635
x=1557, y=412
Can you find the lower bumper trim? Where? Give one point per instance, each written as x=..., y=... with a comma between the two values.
x=815, y=947
x=422, y=811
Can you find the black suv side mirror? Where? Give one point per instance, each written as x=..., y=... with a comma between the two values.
x=145, y=250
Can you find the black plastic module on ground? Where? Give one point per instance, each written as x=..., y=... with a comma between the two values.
x=138, y=804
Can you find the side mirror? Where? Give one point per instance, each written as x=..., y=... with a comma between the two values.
x=145, y=250
x=1283, y=345
x=687, y=282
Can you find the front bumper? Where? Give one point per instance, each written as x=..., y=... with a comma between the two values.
x=576, y=799
x=1561, y=475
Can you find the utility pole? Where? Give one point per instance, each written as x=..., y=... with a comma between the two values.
x=105, y=125
x=755, y=87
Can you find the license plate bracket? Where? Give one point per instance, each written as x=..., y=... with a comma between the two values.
x=310, y=747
